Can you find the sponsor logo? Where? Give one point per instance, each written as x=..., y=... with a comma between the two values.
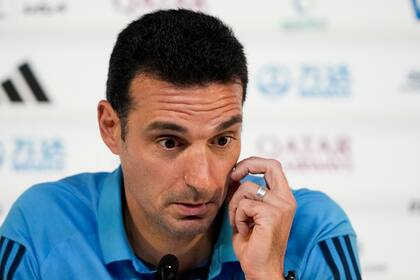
x=274, y=80
x=307, y=80
x=414, y=207
x=11, y=8
x=416, y=6
x=28, y=154
x=305, y=17
x=46, y=154
x=30, y=87
x=325, y=80
x=308, y=152
x=412, y=82
x=45, y=8
x=138, y=6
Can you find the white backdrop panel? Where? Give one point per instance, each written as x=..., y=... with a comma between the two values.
x=334, y=94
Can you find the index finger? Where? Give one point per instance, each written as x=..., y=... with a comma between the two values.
x=270, y=168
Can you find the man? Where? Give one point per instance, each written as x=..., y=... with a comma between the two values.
x=176, y=85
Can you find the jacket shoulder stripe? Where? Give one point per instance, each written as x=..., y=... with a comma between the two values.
x=352, y=257
x=1, y=242
x=5, y=257
x=330, y=261
x=15, y=262
x=343, y=259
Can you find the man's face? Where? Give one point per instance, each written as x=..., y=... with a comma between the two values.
x=180, y=147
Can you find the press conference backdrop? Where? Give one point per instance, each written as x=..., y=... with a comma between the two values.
x=334, y=94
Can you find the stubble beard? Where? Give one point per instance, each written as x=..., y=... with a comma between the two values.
x=188, y=227
x=183, y=228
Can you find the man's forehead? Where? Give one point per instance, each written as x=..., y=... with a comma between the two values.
x=146, y=86
x=162, y=106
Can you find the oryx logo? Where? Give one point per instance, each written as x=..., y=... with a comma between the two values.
x=30, y=86
x=416, y=6
x=274, y=80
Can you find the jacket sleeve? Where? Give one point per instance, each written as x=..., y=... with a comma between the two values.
x=17, y=254
x=15, y=261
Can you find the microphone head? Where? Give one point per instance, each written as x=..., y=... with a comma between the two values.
x=168, y=267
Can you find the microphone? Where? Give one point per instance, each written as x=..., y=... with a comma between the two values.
x=167, y=267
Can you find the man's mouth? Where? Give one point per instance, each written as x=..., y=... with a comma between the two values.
x=192, y=209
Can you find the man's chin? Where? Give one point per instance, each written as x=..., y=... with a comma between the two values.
x=189, y=227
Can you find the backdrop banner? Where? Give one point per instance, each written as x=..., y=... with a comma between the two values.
x=334, y=95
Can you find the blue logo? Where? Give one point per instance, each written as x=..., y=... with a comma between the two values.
x=306, y=80
x=416, y=6
x=274, y=80
x=329, y=80
x=38, y=155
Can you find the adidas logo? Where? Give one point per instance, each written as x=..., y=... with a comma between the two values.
x=24, y=87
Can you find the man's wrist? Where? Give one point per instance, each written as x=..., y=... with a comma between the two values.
x=265, y=276
x=290, y=275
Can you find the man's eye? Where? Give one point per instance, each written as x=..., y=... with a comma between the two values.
x=223, y=141
x=168, y=143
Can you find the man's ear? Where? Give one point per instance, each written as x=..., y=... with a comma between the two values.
x=109, y=126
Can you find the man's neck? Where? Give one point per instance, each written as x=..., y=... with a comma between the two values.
x=151, y=246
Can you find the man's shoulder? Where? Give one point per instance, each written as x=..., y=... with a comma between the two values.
x=51, y=206
x=83, y=188
x=319, y=216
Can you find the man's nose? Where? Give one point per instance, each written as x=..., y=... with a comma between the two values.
x=198, y=169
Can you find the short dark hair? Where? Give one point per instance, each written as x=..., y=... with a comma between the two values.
x=182, y=47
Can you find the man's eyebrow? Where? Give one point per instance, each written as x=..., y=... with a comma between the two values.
x=160, y=125
x=226, y=124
